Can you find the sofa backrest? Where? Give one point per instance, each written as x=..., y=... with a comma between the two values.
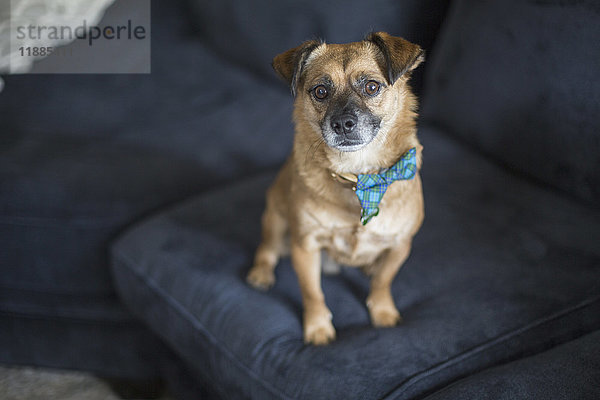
x=519, y=80
x=251, y=33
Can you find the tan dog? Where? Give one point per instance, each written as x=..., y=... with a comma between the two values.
x=354, y=114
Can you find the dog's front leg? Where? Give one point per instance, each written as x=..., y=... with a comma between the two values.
x=381, y=305
x=318, y=328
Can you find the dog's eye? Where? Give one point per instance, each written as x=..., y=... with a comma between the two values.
x=372, y=88
x=320, y=92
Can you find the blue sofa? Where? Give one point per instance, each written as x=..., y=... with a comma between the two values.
x=151, y=187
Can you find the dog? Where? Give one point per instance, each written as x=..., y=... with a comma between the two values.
x=350, y=192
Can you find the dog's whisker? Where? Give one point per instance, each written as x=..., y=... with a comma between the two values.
x=319, y=144
x=312, y=150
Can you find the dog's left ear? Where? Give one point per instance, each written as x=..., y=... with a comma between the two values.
x=399, y=55
x=289, y=64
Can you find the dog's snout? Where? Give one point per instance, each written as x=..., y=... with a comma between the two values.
x=343, y=124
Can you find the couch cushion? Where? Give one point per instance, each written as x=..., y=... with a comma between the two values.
x=83, y=156
x=117, y=348
x=502, y=268
x=569, y=371
x=86, y=155
x=63, y=196
x=258, y=30
x=518, y=80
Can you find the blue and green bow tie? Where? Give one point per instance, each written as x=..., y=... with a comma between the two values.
x=370, y=188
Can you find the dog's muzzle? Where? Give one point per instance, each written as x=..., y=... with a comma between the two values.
x=350, y=131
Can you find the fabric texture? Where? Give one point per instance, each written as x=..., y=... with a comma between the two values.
x=248, y=43
x=569, y=371
x=84, y=156
x=370, y=188
x=490, y=279
x=518, y=81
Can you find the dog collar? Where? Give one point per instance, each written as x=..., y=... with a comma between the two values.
x=370, y=188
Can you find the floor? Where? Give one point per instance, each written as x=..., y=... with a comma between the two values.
x=20, y=383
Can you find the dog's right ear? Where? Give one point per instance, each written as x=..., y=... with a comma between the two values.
x=289, y=65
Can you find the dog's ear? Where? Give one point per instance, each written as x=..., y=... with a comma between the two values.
x=399, y=55
x=289, y=65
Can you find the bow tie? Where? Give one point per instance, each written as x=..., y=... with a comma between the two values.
x=370, y=188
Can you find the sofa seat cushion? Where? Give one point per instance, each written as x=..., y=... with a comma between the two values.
x=502, y=268
x=568, y=371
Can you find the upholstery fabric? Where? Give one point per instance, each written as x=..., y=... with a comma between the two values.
x=83, y=156
x=490, y=279
x=246, y=41
x=570, y=371
x=518, y=81
x=118, y=348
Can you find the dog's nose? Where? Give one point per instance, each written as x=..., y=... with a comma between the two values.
x=343, y=124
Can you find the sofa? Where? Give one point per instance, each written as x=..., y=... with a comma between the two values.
x=130, y=210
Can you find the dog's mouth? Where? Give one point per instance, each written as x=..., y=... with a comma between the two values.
x=348, y=145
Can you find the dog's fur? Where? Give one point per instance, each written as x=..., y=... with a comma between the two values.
x=347, y=132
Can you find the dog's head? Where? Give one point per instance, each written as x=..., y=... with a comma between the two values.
x=348, y=92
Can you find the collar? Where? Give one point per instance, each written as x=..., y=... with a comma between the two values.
x=370, y=188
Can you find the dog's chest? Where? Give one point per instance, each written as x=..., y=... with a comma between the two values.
x=338, y=229
x=358, y=246
x=355, y=245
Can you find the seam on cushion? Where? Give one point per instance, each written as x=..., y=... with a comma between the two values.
x=196, y=323
x=415, y=378
x=489, y=369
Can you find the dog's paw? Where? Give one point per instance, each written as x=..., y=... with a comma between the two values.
x=384, y=318
x=260, y=277
x=383, y=312
x=319, y=333
x=318, y=329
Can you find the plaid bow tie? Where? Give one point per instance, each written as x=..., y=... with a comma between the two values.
x=370, y=188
